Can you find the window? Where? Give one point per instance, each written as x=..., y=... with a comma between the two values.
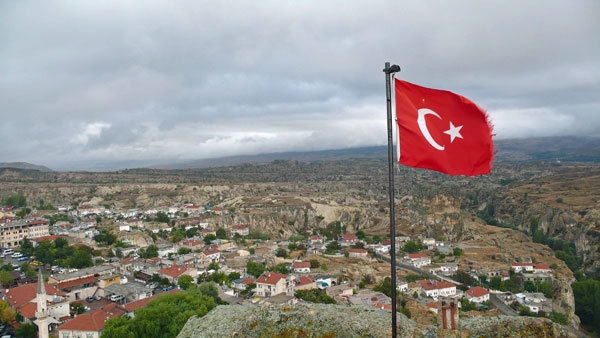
x=89, y=335
x=65, y=335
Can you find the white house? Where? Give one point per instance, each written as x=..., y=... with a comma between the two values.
x=301, y=267
x=478, y=294
x=435, y=289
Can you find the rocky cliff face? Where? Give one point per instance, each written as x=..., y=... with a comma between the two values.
x=317, y=320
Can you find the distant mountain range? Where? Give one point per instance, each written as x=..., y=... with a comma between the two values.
x=25, y=165
x=559, y=149
x=564, y=149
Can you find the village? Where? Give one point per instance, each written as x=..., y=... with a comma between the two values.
x=186, y=244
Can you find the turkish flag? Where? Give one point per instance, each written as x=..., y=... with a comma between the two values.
x=442, y=131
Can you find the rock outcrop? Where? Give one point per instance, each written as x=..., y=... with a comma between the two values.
x=317, y=320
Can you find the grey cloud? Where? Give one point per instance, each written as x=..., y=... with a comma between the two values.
x=196, y=79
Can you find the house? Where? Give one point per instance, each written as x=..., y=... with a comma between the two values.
x=357, y=253
x=401, y=286
x=191, y=243
x=210, y=254
x=242, y=283
x=433, y=307
x=173, y=273
x=478, y=294
x=384, y=247
x=428, y=243
x=79, y=289
x=273, y=283
x=240, y=229
x=348, y=239
x=541, y=268
x=91, y=324
x=522, y=267
x=418, y=260
x=304, y=283
x=301, y=267
x=316, y=239
x=434, y=289
x=23, y=299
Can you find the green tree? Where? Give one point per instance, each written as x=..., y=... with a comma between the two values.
x=78, y=308
x=281, y=252
x=151, y=251
x=281, y=268
x=314, y=264
x=26, y=247
x=587, y=302
x=164, y=316
x=467, y=305
x=412, y=247
x=81, y=259
x=184, y=250
x=233, y=276
x=457, y=252
x=26, y=330
x=221, y=233
x=6, y=279
x=254, y=268
x=209, y=238
x=162, y=217
x=333, y=247
x=185, y=282
x=314, y=296
x=16, y=201
x=384, y=286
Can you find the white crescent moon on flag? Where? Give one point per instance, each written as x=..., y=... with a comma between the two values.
x=423, y=126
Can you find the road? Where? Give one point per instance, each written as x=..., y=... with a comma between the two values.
x=501, y=306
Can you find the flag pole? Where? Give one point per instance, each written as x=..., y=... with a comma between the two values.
x=389, y=70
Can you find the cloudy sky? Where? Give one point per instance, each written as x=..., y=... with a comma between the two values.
x=90, y=82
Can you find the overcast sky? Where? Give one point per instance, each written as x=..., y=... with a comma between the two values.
x=87, y=82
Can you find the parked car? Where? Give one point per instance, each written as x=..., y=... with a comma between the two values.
x=89, y=299
x=17, y=255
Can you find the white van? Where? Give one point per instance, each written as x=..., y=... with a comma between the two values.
x=7, y=252
x=17, y=255
x=116, y=298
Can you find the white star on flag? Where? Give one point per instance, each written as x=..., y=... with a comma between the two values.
x=454, y=132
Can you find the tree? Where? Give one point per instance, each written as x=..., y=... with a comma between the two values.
x=332, y=247
x=151, y=251
x=457, y=251
x=26, y=330
x=412, y=247
x=164, y=316
x=6, y=279
x=16, y=201
x=281, y=252
x=254, y=268
x=314, y=264
x=281, y=268
x=467, y=305
x=184, y=250
x=314, y=296
x=209, y=238
x=78, y=308
x=221, y=233
x=162, y=217
x=233, y=276
x=185, y=282
x=7, y=314
x=587, y=302
x=27, y=247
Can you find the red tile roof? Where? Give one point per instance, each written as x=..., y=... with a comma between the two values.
x=144, y=302
x=49, y=238
x=77, y=282
x=348, y=236
x=304, y=280
x=362, y=251
x=23, y=294
x=477, y=291
x=433, y=285
x=541, y=266
x=417, y=255
x=270, y=278
x=173, y=271
x=92, y=321
x=300, y=265
x=28, y=310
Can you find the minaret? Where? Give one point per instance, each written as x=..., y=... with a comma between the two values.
x=41, y=313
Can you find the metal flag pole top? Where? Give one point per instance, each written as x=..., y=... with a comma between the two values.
x=389, y=70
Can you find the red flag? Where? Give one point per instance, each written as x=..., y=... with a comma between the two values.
x=442, y=131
